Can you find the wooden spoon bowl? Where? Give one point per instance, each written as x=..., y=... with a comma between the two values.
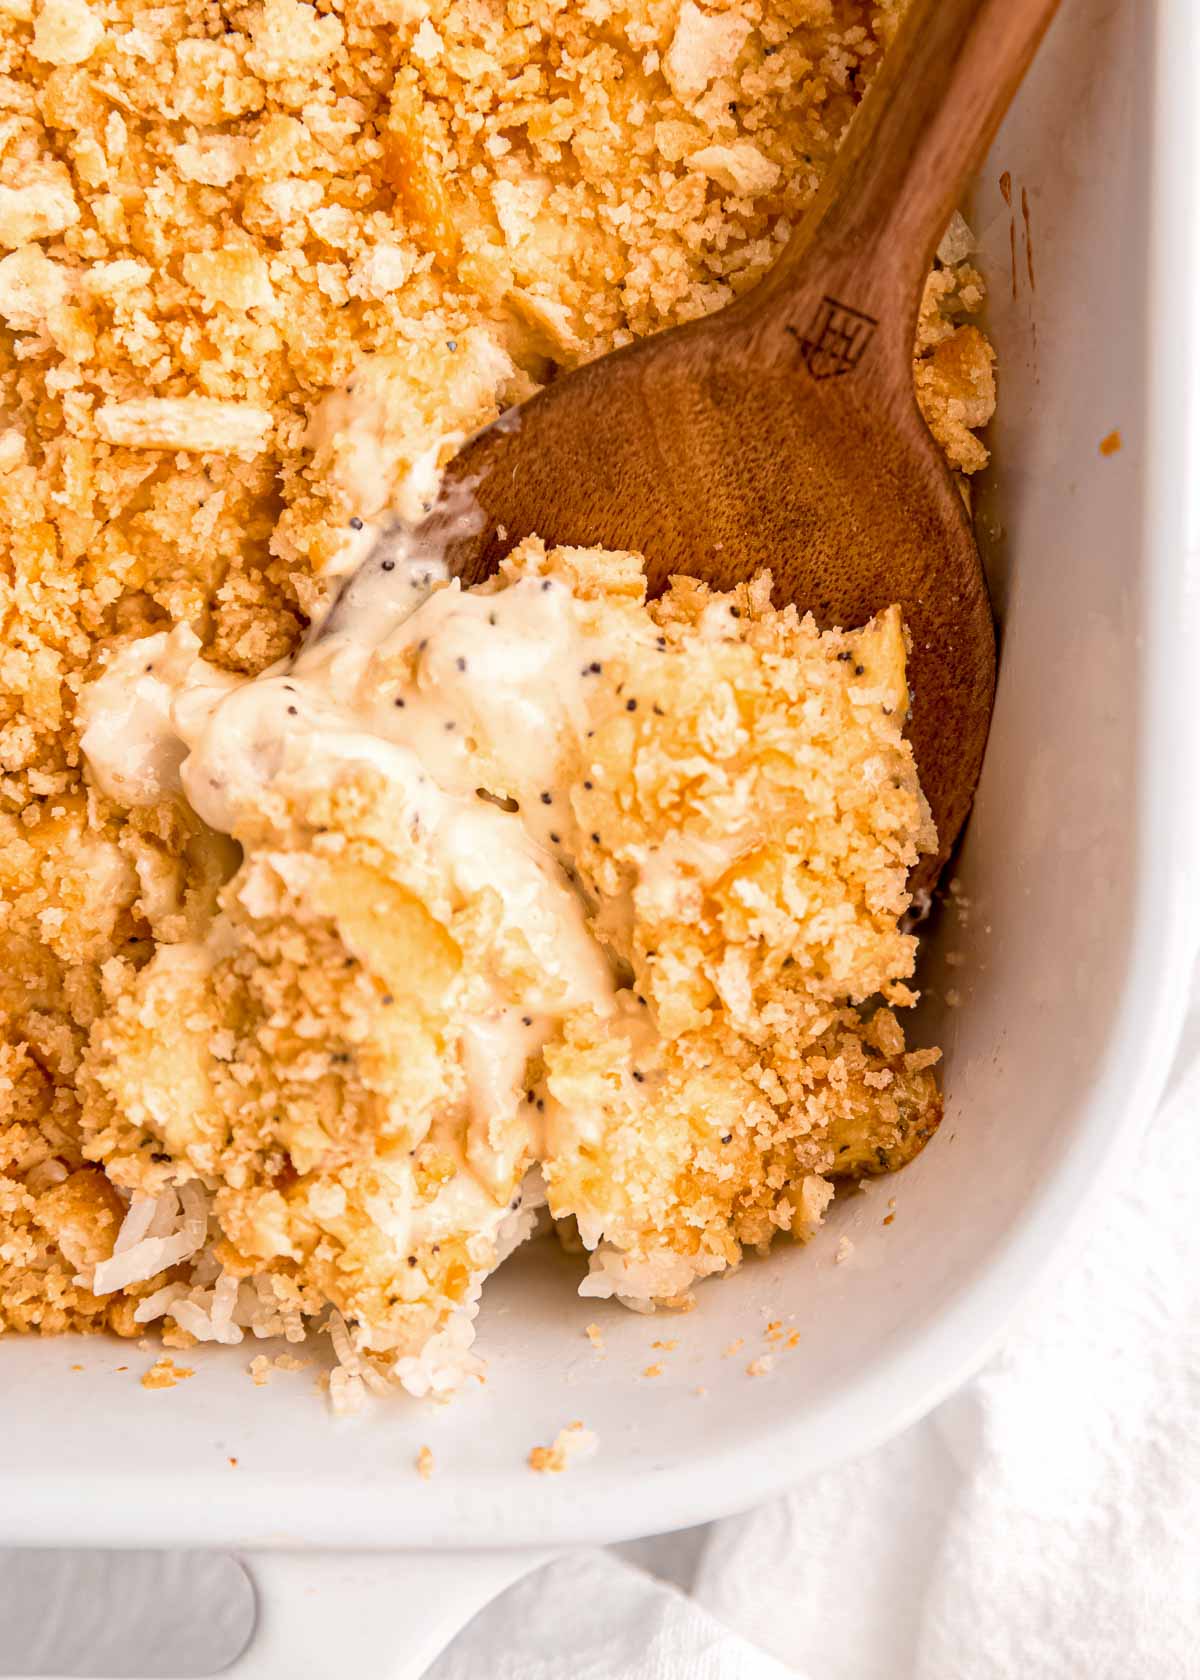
x=783, y=432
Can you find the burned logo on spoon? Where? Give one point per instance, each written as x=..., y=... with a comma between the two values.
x=836, y=339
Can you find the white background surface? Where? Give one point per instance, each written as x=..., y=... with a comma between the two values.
x=1043, y=1523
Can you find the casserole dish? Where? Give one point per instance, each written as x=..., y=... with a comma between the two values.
x=1069, y=938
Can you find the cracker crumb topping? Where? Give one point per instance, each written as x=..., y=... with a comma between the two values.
x=260, y=264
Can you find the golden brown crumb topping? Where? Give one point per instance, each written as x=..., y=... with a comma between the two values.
x=257, y=261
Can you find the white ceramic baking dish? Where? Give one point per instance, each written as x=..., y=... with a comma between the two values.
x=1075, y=943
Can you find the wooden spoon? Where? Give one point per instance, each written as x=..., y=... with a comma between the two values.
x=783, y=431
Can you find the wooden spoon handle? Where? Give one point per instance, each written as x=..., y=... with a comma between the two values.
x=923, y=129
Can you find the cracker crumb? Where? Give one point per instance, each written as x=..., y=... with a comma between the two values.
x=424, y=1463
x=164, y=1373
x=1111, y=445
x=734, y=1347
x=844, y=1250
x=653, y=1371
x=66, y=32
x=197, y=425
x=570, y=1444
x=595, y=1335
x=761, y=1366
x=667, y=1346
x=259, y=1370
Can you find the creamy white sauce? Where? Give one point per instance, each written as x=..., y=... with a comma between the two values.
x=449, y=694
x=128, y=736
x=474, y=705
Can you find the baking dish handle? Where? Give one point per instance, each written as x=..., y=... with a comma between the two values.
x=373, y=1615
x=376, y=1615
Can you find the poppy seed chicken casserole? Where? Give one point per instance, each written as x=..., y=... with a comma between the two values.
x=340, y=941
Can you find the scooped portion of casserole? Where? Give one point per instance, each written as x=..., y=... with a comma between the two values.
x=544, y=895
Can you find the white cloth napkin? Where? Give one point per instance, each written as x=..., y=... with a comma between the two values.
x=1043, y=1524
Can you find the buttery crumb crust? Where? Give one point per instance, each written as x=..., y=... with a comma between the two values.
x=256, y=263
